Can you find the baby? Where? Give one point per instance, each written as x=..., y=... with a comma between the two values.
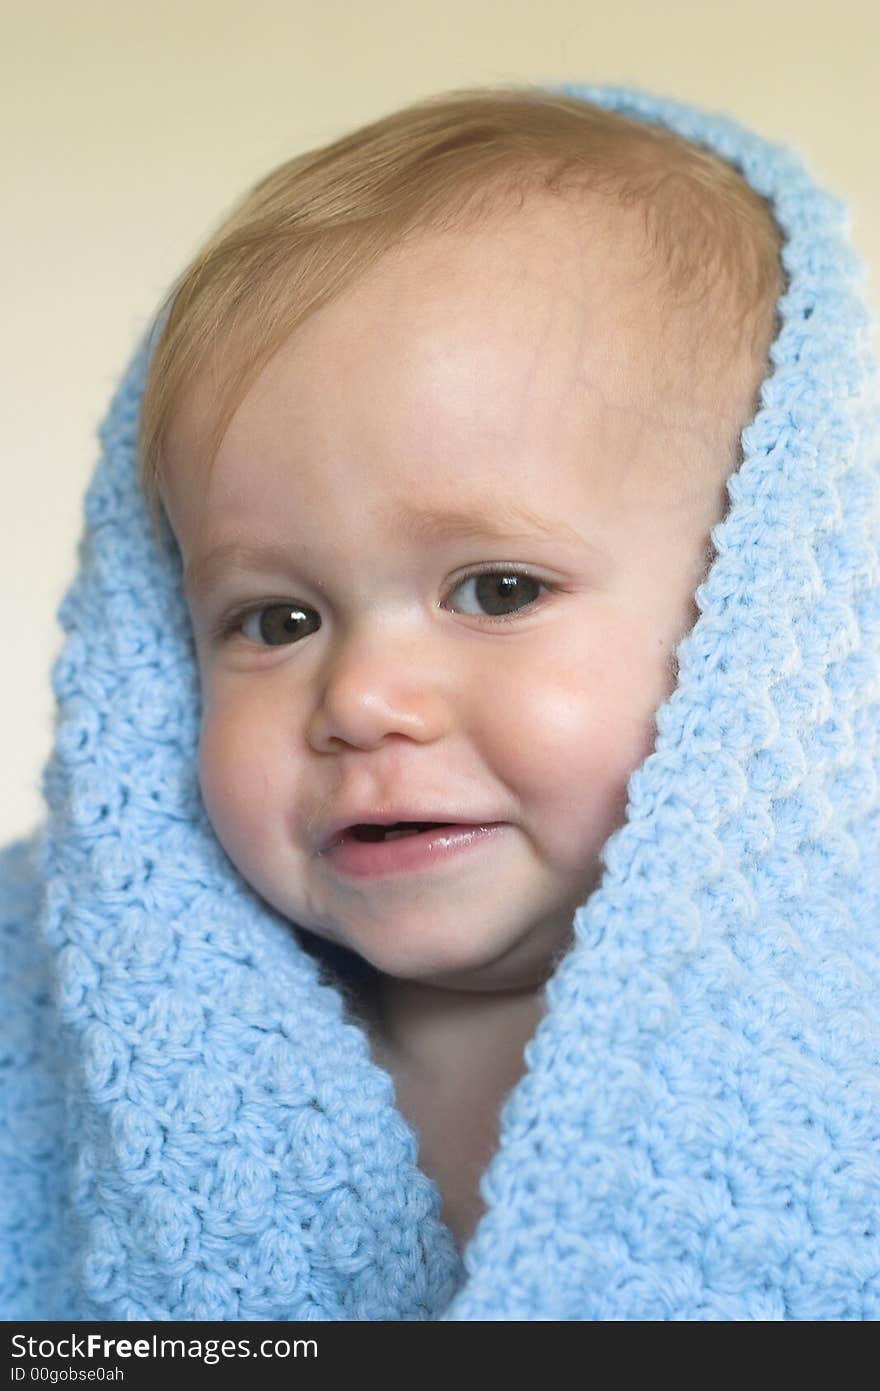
x=442, y=545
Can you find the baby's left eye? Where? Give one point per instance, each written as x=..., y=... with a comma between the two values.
x=501, y=590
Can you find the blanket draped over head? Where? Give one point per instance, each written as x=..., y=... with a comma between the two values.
x=193, y=1124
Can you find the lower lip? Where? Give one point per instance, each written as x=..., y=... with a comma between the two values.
x=365, y=859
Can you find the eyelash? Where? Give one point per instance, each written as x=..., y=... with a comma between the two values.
x=230, y=624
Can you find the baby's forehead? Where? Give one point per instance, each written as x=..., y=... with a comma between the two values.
x=589, y=248
x=548, y=261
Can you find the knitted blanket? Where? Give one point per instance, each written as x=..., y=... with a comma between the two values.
x=193, y=1126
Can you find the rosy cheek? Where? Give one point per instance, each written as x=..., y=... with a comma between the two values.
x=560, y=729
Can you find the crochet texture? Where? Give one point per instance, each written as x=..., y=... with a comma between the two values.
x=193, y=1126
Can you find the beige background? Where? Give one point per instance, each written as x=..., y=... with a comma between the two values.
x=131, y=126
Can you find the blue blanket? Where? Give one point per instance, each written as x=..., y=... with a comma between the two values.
x=193, y=1125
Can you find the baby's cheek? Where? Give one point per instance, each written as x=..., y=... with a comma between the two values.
x=572, y=746
x=233, y=777
x=556, y=729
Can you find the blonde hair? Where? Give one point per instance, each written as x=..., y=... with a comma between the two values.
x=451, y=161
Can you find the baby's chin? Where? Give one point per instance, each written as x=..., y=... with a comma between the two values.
x=506, y=953
x=479, y=969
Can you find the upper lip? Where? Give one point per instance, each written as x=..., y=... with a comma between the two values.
x=333, y=830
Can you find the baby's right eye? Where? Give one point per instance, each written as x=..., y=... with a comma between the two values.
x=276, y=623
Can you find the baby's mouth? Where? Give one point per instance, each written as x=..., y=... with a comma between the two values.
x=395, y=832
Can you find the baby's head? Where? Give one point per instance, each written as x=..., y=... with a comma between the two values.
x=471, y=382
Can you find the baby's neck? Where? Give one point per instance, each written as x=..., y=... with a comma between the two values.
x=438, y=1034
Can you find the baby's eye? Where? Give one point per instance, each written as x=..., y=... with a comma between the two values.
x=499, y=591
x=504, y=593
x=272, y=625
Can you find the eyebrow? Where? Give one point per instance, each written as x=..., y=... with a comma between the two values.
x=514, y=523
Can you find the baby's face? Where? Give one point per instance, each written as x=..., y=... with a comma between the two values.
x=504, y=372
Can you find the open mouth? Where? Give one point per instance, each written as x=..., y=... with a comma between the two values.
x=395, y=832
